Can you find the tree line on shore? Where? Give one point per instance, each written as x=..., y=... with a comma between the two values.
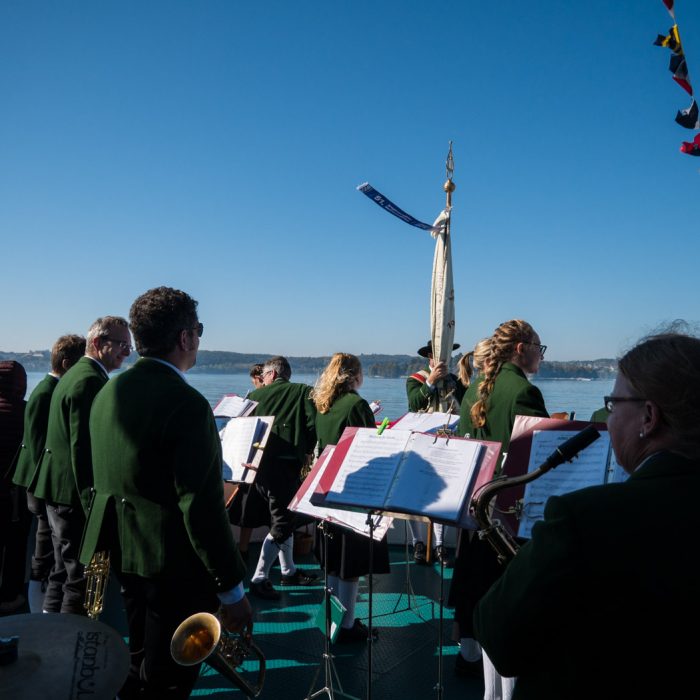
x=375, y=365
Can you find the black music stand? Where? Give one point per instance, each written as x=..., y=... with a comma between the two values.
x=330, y=674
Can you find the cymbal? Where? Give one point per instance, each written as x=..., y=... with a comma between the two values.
x=63, y=656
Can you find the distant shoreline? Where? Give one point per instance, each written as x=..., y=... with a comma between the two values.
x=375, y=365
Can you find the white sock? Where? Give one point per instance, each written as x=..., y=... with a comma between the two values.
x=287, y=565
x=418, y=531
x=438, y=529
x=469, y=649
x=268, y=553
x=35, y=595
x=347, y=595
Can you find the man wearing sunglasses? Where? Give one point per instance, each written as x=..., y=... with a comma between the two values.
x=158, y=502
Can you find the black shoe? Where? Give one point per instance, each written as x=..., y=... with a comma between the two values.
x=419, y=553
x=299, y=578
x=440, y=554
x=357, y=633
x=468, y=669
x=263, y=589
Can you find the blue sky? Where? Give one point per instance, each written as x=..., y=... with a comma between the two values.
x=216, y=147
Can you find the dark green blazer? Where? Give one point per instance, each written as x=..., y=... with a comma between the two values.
x=348, y=410
x=600, y=415
x=157, y=480
x=512, y=395
x=64, y=475
x=600, y=602
x=293, y=434
x=36, y=419
x=420, y=398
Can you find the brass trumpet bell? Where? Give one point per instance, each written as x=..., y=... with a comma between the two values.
x=200, y=638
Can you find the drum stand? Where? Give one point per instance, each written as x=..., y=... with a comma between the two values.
x=330, y=674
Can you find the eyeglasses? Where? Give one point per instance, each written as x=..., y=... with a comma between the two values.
x=543, y=348
x=199, y=328
x=123, y=345
x=610, y=401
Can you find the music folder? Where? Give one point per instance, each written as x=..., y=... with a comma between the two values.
x=243, y=442
x=532, y=441
x=406, y=474
x=357, y=522
x=234, y=406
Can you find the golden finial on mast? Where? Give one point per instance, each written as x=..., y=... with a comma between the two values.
x=449, y=186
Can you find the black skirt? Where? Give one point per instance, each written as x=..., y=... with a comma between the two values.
x=348, y=553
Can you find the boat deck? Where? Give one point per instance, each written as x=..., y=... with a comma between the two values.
x=406, y=613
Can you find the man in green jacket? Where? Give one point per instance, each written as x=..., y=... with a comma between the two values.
x=289, y=447
x=66, y=351
x=63, y=477
x=158, y=502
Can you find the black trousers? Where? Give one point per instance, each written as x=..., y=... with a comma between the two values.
x=42, y=559
x=277, y=487
x=66, y=590
x=15, y=522
x=154, y=609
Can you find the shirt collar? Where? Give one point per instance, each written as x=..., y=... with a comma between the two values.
x=169, y=364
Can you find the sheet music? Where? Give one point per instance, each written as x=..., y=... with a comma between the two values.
x=357, y=522
x=239, y=436
x=435, y=476
x=587, y=469
x=232, y=406
x=426, y=422
x=368, y=468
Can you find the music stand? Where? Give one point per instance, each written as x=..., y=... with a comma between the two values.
x=330, y=673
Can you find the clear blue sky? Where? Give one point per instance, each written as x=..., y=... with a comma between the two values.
x=216, y=147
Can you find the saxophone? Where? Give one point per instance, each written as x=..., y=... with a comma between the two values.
x=492, y=529
x=97, y=575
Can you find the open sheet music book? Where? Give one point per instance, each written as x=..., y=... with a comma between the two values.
x=234, y=406
x=533, y=440
x=357, y=522
x=426, y=422
x=406, y=474
x=243, y=443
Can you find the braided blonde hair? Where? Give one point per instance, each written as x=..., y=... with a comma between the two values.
x=337, y=379
x=502, y=349
x=473, y=360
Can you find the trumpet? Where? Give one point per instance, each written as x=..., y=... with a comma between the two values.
x=201, y=638
x=492, y=529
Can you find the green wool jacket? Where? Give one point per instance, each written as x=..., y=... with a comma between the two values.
x=158, y=492
x=600, y=602
x=293, y=433
x=348, y=410
x=420, y=398
x=512, y=395
x=64, y=475
x=36, y=419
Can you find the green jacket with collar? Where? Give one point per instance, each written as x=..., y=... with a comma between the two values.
x=64, y=475
x=158, y=498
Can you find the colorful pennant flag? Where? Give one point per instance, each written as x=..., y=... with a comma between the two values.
x=689, y=117
x=692, y=148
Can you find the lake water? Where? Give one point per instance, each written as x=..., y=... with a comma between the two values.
x=568, y=395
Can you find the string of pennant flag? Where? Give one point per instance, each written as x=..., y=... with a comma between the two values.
x=688, y=118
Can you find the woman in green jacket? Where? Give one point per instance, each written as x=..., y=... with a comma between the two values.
x=501, y=392
x=339, y=406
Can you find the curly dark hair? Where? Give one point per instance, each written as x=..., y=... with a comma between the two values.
x=157, y=317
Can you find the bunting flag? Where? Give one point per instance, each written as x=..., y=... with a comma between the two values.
x=671, y=41
x=679, y=68
x=688, y=118
x=692, y=148
x=388, y=205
